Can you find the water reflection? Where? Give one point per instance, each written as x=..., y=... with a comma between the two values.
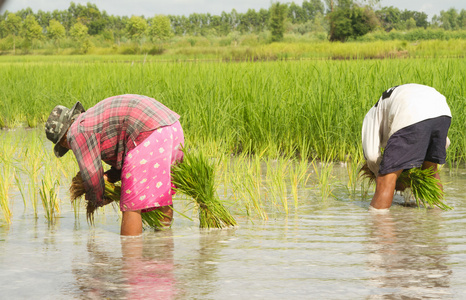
x=407, y=254
x=143, y=271
x=148, y=267
x=99, y=275
x=199, y=261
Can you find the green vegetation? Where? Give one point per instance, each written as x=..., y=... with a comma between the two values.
x=283, y=108
x=112, y=193
x=195, y=177
x=425, y=188
x=420, y=183
x=84, y=29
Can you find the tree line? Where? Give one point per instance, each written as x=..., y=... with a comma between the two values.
x=340, y=20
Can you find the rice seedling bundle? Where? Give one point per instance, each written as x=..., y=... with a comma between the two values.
x=152, y=219
x=194, y=177
x=425, y=188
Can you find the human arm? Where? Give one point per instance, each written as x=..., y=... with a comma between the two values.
x=371, y=138
x=87, y=151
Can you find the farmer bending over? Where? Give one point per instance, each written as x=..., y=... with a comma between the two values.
x=410, y=122
x=137, y=136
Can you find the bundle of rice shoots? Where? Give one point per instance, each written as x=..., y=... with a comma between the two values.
x=195, y=177
x=425, y=188
x=152, y=219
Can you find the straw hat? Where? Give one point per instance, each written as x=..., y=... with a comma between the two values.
x=59, y=122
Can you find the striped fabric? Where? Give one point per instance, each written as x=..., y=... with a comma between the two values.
x=106, y=132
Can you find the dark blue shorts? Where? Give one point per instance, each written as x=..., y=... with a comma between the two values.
x=409, y=147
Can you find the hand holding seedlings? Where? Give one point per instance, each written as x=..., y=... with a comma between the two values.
x=137, y=136
x=406, y=130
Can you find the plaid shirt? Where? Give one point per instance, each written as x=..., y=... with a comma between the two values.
x=107, y=131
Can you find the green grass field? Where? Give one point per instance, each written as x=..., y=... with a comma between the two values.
x=305, y=107
x=277, y=118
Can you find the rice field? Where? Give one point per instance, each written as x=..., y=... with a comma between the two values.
x=284, y=138
x=296, y=108
x=275, y=129
x=249, y=186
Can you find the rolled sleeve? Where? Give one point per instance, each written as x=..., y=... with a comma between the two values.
x=371, y=140
x=87, y=151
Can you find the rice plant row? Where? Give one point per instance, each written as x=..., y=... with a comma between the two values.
x=310, y=108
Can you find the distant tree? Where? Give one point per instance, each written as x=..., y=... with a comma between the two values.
x=43, y=18
x=295, y=13
x=12, y=27
x=194, y=24
x=348, y=19
x=277, y=21
x=363, y=20
x=234, y=20
x=449, y=19
x=160, y=28
x=79, y=32
x=312, y=9
x=136, y=28
x=56, y=31
x=90, y=16
x=215, y=24
x=23, y=13
x=117, y=25
x=340, y=25
x=64, y=17
x=249, y=22
x=224, y=26
x=31, y=30
x=390, y=17
x=175, y=22
x=2, y=29
x=462, y=19
x=264, y=16
x=421, y=19
x=410, y=23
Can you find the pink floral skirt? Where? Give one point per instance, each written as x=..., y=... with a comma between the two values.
x=146, y=178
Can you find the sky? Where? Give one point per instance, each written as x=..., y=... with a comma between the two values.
x=149, y=8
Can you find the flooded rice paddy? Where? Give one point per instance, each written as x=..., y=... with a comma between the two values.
x=329, y=248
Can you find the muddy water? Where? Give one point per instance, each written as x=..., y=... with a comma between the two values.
x=332, y=249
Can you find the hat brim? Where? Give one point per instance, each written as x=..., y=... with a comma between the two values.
x=60, y=150
x=77, y=109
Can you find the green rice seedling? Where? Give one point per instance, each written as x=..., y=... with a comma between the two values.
x=299, y=175
x=223, y=171
x=324, y=177
x=49, y=196
x=32, y=162
x=49, y=189
x=426, y=189
x=352, y=168
x=195, y=177
x=8, y=148
x=20, y=187
x=154, y=219
x=246, y=181
x=277, y=172
x=6, y=177
x=76, y=204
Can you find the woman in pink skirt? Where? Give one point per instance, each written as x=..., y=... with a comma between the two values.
x=137, y=136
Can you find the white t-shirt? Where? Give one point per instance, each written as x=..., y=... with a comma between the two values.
x=397, y=108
